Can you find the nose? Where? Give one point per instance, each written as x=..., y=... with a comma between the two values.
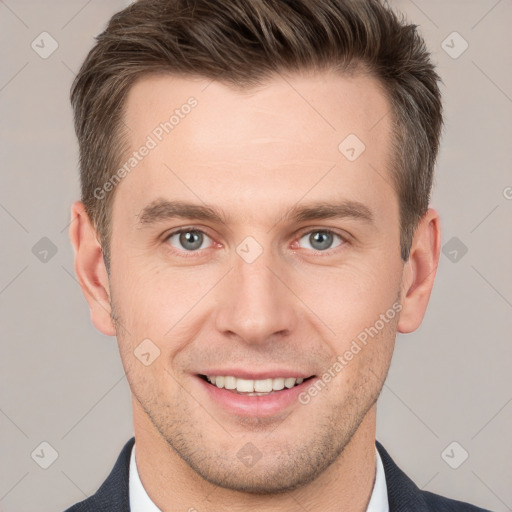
x=255, y=305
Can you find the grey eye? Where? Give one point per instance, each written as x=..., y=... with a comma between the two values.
x=188, y=239
x=320, y=240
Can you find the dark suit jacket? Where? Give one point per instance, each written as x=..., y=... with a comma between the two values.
x=403, y=495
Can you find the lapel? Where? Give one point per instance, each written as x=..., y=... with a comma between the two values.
x=113, y=495
x=403, y=494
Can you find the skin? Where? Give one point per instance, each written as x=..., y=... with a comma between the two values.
x=255, y=154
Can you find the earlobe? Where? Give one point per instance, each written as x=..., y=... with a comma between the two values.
x=90, y=269
x=419, y=272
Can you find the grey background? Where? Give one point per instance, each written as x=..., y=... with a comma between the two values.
x=62, y=381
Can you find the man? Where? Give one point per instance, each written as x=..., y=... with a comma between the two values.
x=255, y=229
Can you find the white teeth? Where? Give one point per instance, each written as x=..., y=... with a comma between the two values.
x=263, y=386
x=245, y=386
x=290, y=382
x=278, y=384
x=230, y=382
x=254, y=386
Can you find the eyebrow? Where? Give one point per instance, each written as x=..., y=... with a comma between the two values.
x=161, y=210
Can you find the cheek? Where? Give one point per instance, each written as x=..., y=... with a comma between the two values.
x=349, y=299
x=144, y=292
x=363, y=360
x=161, y=305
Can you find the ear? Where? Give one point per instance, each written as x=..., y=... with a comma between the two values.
x=90, y=269
x=419, y=271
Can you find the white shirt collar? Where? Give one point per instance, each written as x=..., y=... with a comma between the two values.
x=139, y=499
x=141, y=502
x=379, y=497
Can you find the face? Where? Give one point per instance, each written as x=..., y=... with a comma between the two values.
x=250, y=243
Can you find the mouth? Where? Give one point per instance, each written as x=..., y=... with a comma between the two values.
x=263, y=393
x=254, y=387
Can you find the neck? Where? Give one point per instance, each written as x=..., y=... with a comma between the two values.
x=173, y=485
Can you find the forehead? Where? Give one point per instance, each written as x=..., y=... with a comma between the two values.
x=271, y=144
x=311, y=106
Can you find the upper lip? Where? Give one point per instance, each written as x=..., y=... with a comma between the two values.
x=256, y=375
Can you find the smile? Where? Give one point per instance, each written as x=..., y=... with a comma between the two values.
x=250, y=387
x=261, y=398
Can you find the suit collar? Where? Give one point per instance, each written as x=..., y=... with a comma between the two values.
x=113, y=495
x=403, y=494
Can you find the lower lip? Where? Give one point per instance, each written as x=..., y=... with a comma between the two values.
x=260, y=406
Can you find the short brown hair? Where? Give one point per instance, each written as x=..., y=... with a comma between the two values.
x=244, y=42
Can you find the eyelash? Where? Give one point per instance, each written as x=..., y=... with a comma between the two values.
x=192, y=254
